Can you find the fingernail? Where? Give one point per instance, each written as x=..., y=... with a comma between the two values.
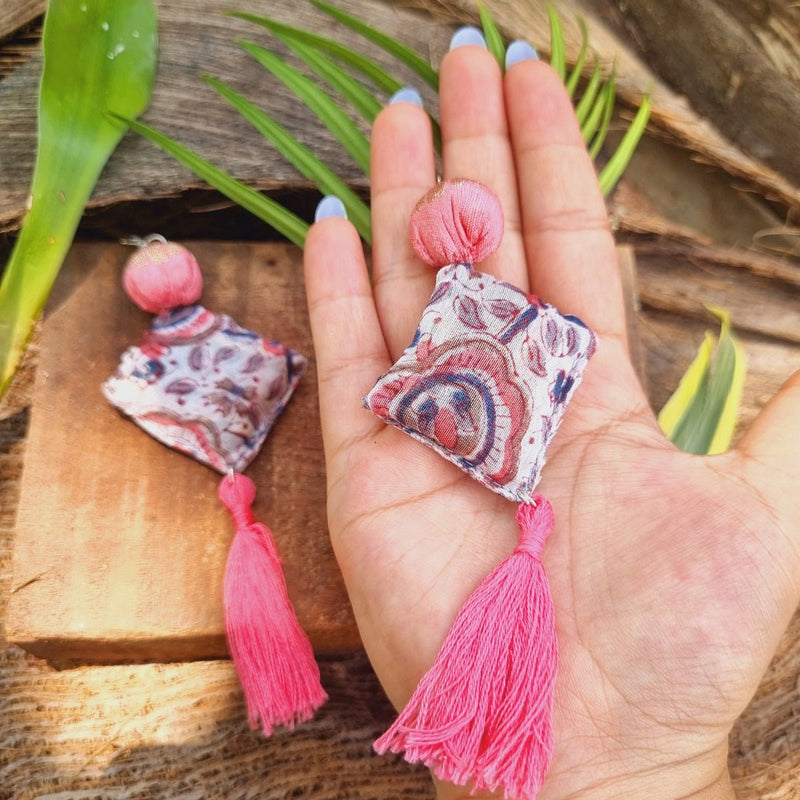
x=330, y=206
x=467, y=35
x=518, y=51
x=406, y=95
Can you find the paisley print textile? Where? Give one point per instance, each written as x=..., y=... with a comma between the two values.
x=486, y=379
x=201, y=384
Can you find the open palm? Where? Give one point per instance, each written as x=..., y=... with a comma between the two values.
x=673, y=576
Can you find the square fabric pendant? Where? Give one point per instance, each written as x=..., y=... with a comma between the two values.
x=486, y=379
x=202, y=385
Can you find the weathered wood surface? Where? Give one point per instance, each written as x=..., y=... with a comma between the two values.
x=104, y=507
x=673, y=116
x=15, y=14
x=177, y=731
x=738, y=61
x=197, y=37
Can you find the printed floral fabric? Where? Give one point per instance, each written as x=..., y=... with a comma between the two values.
x=486, y=379
x=205, y=386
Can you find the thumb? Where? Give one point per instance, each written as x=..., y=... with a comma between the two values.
x=772, y=449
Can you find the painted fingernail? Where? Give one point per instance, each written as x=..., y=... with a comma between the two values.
x=406, y=95
x=467, y=35
x=518, y=51
x=330, y=206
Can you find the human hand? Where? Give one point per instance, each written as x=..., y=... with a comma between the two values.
x=673, y=576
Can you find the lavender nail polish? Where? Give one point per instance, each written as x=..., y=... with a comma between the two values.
x=406, y=95
x=468, y=35
x=518, y=51
x=330, y=206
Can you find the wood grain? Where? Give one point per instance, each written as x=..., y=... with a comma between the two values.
x=14, y=14
x=198, y=37
x=121, y=542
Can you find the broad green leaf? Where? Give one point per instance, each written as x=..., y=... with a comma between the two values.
x=575, y=75
x=400, y=51
x=300, y=156
x=328, y=111
x=701, y=415
x=616, y=165
x=265, y=208
x=99, y=55
x=557, y=50
x=494, y=39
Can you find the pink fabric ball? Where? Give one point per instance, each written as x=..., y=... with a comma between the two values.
x=458, y=221
x=161, y=276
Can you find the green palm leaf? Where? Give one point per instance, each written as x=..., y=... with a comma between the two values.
x=494, y=39
x=328, y=110
x=392, y=46
x=266, y=209
x=300, y=156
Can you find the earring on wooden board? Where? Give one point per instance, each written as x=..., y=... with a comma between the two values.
x=201, y=384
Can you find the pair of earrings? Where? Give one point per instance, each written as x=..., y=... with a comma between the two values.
x=485, y=383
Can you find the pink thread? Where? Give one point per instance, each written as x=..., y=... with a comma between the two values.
x=161, y=276
x=483, y=712
x=459, y=221
x=272, y=654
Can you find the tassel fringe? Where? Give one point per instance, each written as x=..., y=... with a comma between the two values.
x=272, y=654
x=483, y=712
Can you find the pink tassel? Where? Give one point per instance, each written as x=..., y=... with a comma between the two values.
x=271, y=652
x=483, y=712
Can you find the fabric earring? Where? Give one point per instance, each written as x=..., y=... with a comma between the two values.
x=201, y=384
x=485, y=383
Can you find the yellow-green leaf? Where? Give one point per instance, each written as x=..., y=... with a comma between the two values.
x=700, y=417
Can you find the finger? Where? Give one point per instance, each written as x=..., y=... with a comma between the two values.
x=568, y=244
x=475, y=145
x=348, y=343
x=403, y=169
x=771, y=447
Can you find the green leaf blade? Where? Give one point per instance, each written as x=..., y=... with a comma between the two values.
x=577, y=70
x=366, y=66
x=616, y=165
x=608, y=112
x=401, y=52
x=99, y=57
x=585, y=104
x=300, y=156
x=494, y=39
x=266, y=209
x=364, y=102
x=326, y=109
x=558, y=58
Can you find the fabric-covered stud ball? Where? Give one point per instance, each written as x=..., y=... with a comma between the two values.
x=161, y=276
x=456, y=222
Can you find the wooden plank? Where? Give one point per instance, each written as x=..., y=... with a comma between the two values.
x=121, y=542
x=14, y=14
x=196, y=39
